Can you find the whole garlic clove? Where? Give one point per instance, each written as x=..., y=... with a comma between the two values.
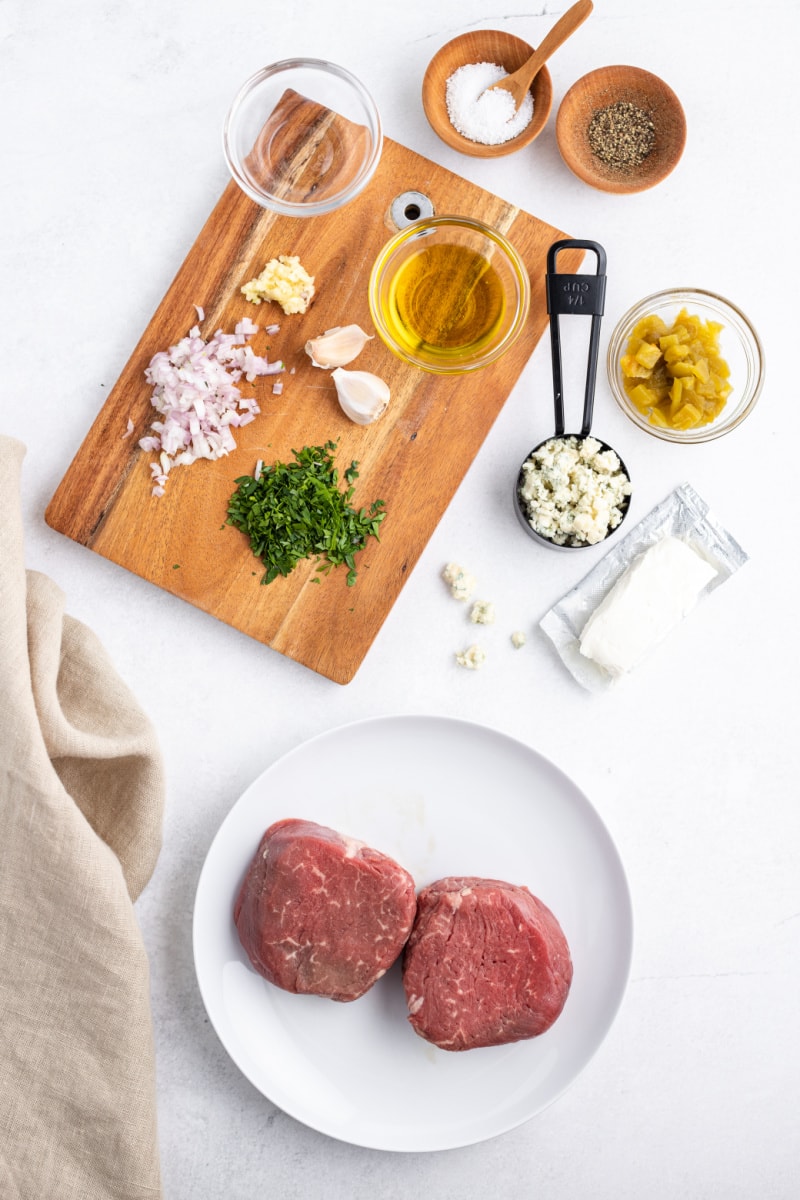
x=364, y=397
x=338, y=346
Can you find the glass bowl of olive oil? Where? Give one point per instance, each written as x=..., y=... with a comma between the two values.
x=449, y=294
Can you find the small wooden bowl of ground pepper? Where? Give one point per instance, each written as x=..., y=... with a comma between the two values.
x=621, y=129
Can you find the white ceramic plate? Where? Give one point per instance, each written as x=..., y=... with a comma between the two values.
x=442, y=797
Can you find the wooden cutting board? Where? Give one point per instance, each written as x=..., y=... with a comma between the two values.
x=413, y=458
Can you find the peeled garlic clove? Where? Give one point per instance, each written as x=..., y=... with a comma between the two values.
x=363, y=396
x=337, y=346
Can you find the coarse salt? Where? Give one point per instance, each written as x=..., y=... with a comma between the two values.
x=485, y=116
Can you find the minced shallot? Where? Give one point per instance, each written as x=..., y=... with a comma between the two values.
x=194, y=390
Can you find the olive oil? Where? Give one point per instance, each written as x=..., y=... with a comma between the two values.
x=445, y=301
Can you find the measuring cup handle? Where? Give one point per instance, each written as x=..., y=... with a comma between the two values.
x=584, y=294
x=575, y=244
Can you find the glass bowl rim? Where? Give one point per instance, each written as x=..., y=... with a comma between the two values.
x=417, y=229
x=287, y=207
x=745, y=331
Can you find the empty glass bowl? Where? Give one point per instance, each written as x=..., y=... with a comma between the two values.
x=449, y=294
x=739, y=345
x=302, y=137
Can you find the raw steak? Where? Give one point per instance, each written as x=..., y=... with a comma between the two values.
x=323, y=914
x=487, y=963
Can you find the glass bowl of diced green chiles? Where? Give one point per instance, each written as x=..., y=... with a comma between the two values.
x=686, y=365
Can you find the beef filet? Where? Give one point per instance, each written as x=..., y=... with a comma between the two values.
x=486, y=963
x=321, y=913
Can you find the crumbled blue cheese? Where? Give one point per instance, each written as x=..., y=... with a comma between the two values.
x=573, y=492
x=473, y=658
x=482, y=613
x=460, y=582
x=518, y=639
x=648, y=600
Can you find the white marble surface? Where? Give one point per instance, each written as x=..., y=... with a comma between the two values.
x=111, y=162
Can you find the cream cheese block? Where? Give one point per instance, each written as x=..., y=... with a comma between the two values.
x=648, y=600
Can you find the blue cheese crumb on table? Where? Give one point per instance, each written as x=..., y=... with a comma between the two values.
x=482, y=613
x=518, y=639
x=473, y=658
x=460, y=582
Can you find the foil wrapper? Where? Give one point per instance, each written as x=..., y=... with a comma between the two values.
x=682, y=514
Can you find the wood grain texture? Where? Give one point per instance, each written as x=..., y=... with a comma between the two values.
x=305, y=152
x=413, y=458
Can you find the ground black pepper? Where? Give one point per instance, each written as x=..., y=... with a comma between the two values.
x=621, y=135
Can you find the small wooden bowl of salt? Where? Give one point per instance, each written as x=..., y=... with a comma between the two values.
x=461, y=72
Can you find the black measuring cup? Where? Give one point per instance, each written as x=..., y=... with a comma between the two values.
x=583, y=295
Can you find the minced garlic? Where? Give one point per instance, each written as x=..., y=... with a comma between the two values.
x=285, y=281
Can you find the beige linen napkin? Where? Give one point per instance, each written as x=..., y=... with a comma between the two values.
x=81, y=804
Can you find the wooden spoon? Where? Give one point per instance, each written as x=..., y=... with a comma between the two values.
x=519, y=83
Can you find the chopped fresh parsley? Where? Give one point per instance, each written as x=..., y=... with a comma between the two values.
x=296, y=510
